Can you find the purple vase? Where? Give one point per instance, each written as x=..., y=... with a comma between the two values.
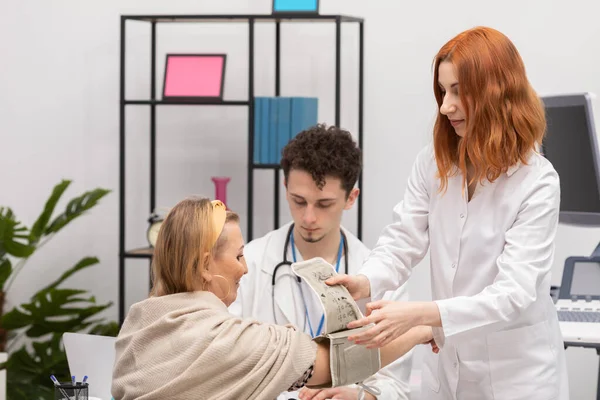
x=221, y=188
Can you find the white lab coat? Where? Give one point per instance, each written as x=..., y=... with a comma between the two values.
x=254, y=300
x=490, y=266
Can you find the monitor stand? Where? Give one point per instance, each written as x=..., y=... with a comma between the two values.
x=596, y=252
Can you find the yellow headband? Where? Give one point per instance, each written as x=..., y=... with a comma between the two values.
x=219, y=217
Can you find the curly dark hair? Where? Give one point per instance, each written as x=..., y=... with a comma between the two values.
x=324, y=151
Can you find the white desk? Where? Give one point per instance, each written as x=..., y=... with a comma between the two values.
x=588, y=346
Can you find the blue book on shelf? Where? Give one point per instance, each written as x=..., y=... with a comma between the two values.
x=304, y=114
x=276, y=121
x=264, y=130
x=273, y=124
x=311, y=111
x=258, y=103
x=296, y=124
x=284, y=124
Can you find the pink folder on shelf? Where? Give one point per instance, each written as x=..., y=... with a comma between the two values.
x=194, y=77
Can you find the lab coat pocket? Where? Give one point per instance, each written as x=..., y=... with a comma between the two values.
x=430, y=372
x=523, y=363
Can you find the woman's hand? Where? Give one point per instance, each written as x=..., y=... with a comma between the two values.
x=358, y=285
x=434, y=346
x=392, y=319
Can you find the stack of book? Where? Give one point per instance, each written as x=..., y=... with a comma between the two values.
x=276, y=121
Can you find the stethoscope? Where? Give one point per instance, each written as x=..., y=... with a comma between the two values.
x=289, y=240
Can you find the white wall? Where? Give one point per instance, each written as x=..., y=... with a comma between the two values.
x=59, y=113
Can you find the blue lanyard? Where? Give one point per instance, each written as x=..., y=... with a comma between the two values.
x=337, y=269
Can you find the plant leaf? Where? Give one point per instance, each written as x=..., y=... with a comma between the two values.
x=51, y=311
x=105, y=329
x=17, y=249
x=5, y=271
x=76, y=208
x=12, y=233
x=28, y=373
x=83, y=263
x=38, y=228
x=57, y=310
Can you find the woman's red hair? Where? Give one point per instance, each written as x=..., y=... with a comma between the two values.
x=505, y=119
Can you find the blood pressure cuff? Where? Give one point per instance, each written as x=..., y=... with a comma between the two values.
x=349, y=363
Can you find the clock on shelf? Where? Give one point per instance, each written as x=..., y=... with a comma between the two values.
x=155, y=221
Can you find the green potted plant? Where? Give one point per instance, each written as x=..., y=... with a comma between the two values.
x=32, y=332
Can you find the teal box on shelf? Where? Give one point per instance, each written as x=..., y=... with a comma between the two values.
x=295, y=6
x=276, y=121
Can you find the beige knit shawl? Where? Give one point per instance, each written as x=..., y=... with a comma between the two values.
x=187, y=346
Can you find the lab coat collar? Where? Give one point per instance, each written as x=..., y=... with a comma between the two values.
x=273, y=248
x=513, y=168
x=285, y=286
x=275, y=242
x=284, y=296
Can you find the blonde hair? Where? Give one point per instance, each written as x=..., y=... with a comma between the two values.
x=187, y=235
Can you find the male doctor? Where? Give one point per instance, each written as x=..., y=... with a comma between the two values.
x=321, y=166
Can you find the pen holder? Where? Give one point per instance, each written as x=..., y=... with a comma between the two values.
x=68, y=391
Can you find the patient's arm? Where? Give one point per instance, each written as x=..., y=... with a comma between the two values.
x=402, y=345
x=391, y=352
x=321, y=373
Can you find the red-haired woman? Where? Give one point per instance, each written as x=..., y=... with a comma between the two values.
x=485, y=203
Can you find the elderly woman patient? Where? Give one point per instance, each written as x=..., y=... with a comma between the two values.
x=182, y=343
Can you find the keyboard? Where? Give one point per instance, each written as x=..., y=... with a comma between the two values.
x=579, y=316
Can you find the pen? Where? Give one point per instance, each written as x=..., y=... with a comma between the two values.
x=82, y=383
x=75, y=387
x=57, y=383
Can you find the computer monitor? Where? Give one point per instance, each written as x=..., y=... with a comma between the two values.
x=571, y=146
x=580, y=278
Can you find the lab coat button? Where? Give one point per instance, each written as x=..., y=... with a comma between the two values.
x=453, y=265
x=455, y=365
x=462, y=215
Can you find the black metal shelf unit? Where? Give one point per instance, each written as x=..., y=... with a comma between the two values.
x=152, y=102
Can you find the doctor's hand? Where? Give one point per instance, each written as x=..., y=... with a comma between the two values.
x=337, y=393
x=358, y=285
x=392, y=319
